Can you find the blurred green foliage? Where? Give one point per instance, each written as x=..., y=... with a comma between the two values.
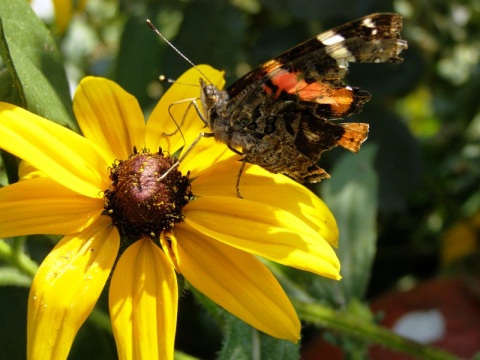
x=419, y=174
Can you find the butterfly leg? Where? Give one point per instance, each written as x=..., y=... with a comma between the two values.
x=240, y=172
x=180, y=159
x=199, y=112
x=191, y=103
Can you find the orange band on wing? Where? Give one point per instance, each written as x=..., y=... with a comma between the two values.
x=339, y=100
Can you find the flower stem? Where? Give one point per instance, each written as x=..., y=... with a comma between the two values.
x=351, y=325
x=16, y=257
x=355, y=326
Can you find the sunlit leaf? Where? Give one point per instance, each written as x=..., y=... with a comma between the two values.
x=34, y=77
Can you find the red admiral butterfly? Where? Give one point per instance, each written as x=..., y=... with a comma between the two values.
x=280, y=113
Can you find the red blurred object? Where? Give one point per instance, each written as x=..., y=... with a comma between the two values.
x=444, y=313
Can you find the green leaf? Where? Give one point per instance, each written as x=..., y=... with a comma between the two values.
x=140, y=48
x=8, y=91
x=352, y=196
x=34, y=77
x=400, y=161
x=220, y=44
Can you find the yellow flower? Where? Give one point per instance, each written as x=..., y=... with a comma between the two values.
x=64, y=10
x=100, y=190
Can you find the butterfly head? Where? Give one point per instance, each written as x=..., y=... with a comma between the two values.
x=213, y=101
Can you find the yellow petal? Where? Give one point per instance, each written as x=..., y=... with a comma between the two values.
x=27, y=171
x=167, y=118
x=203, y=157
x=236, y=281
x=143, y=300
x=63, y=14
x=261, y=186
x=109, y=116
x=64, y=11
x=63, y=155
x=263, y=230
x=66, y=288
x=43, y=206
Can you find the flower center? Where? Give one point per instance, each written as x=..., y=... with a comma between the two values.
x=141, y=200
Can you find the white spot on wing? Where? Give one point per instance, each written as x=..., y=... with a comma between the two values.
x=330, y=38
x=368, y=23
x=340, y=52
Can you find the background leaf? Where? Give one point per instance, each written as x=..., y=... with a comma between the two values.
x=34, y=77
x=353, y=200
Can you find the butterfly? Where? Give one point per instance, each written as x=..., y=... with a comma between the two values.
x=284, y=114
x=280, y=114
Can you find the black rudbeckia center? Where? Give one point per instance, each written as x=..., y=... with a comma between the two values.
x=142, y=200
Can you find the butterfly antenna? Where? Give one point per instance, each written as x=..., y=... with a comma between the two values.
x=174, y=48
x=163, y=78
